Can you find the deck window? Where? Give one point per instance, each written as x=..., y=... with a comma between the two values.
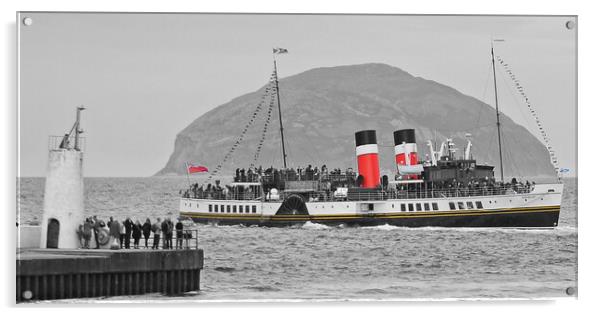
x=246, y=209
x=210, y=208
x=240, y=208
x=479, y=204
x=427, y=207
x=470, y=205
x=461, y=205
x=452, y=205
x=411, y=207
x=435, y=207
x=418, y=207
x=403, y=207
x=254, y=209
x=221, y=208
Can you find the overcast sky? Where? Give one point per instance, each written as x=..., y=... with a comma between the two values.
x=144, y=77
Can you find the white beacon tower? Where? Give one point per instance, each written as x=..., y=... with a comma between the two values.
x=64, y=191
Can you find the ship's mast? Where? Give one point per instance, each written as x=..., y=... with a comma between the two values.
x=279, y=111
x=497, y=113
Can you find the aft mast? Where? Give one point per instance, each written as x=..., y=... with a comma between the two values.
x=276, y=51
x=497, y=113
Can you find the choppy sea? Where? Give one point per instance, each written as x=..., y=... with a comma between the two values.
x=317, y=262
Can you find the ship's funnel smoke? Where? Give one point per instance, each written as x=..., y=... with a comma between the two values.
x=366, y=151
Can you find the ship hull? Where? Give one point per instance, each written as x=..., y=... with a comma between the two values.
x=535, y=217
x=538, y=209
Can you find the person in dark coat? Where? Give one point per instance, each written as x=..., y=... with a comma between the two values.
x=87, y=233
x=128, y=232
x=146, y=230
x=96, y=227
x=121, y=235
x=137, y=233
x=170, y=228
x=179, y=234
x=164, y=230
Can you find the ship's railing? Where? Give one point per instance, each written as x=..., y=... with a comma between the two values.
x=223, y=195
x=457, y=192
x=185, y=239
x=363, y=195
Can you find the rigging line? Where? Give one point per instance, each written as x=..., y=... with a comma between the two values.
x=511, y=91
x=264, y=131
x=527, y=153
x=240, y=138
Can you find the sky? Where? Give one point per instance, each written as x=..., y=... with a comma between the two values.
x=145, y=77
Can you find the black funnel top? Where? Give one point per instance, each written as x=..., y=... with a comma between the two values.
x=365, y=137
x=404, y=136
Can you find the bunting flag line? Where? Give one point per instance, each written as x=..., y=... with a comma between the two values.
x=521, y=90
x=265, y=129
x=269, y=91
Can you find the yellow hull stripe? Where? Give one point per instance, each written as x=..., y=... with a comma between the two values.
x=415, y=214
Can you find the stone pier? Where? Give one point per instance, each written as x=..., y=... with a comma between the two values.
x=51, y=274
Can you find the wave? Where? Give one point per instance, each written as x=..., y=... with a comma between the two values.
x=312, y=225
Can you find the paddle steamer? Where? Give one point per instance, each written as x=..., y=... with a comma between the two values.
x=447, y=189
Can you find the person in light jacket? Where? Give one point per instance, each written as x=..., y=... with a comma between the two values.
x=121, y=235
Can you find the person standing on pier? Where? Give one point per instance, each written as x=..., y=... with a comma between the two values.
x=170, y=233
x=87, y=233
x=137, y=233
x=146, y=230
x=156, y=228
x=179, y=234
x=128, y=232
x=121, y=235
x=96, y=226
x=114, y=231
x=164, y=228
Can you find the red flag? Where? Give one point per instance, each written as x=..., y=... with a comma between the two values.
x=196, y=168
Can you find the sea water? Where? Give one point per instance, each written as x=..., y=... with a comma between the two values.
x=317, y=262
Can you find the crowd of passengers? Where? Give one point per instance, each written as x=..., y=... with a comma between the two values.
x=308, y=173
x=474, y=187
x=331, y=179
x=270, y=176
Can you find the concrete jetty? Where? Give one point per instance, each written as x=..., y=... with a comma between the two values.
x=50, y=274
